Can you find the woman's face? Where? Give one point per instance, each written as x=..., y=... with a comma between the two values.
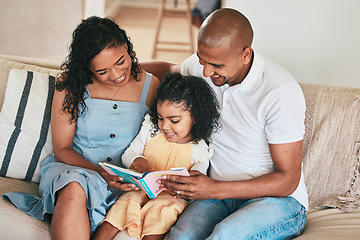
x=112, y=66
x=174, y=122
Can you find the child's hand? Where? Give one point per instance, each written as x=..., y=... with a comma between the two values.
x=140, y=165
x=117, y=182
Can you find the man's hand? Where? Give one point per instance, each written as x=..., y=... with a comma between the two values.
x=197, y=186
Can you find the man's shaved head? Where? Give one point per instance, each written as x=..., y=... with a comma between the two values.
x=226, y=27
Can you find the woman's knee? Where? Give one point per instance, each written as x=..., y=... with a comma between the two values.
x=72, y=192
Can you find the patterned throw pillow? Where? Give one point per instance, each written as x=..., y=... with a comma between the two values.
x=25, y=138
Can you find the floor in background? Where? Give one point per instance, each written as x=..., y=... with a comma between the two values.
x=140, y=24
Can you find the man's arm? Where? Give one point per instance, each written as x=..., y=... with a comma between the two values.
x=160, y=68
x=280, y=183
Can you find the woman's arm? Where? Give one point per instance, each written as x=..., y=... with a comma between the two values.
x=160, y=68
x=63, y=134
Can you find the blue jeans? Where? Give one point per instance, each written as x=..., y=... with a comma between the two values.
x=261, y=218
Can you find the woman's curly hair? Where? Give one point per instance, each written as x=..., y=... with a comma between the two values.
x=90, y=37
x=196, y=96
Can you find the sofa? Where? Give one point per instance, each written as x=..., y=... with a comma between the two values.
x=331, y=157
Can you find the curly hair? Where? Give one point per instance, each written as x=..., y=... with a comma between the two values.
x=90, y=37
x=196, y=96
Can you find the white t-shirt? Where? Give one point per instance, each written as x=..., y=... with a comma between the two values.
x=267, y=107
x=200, y=154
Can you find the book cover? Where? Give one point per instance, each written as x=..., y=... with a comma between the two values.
x=146, y=181
x=128, y=175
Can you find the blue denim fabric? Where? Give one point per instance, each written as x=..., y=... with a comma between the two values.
x=261, y=218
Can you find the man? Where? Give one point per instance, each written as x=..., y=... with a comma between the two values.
x=256, y=187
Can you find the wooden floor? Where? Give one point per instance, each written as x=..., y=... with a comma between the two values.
x=140, y=24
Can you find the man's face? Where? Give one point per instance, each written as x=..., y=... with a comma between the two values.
x=222, y=65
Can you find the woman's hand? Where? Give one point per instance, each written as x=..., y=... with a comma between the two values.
x=140, y=165
x=117, y=182
x=197, y=186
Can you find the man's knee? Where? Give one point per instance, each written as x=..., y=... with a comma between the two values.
x=179, y=234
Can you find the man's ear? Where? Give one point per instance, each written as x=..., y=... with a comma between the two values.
x=246, y=55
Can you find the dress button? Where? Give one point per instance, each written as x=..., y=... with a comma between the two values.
x=108, y=159
x=114, y=106
x=112, y=135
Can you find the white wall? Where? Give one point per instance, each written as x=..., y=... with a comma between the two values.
x=318, y=41
x=154, y=3
x=42, y=28
x=94, y=7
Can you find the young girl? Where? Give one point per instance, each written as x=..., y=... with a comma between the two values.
x=176, y=134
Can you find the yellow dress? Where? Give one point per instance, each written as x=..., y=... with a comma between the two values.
x=137, y=213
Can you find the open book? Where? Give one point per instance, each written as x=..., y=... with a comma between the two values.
x=146, y=181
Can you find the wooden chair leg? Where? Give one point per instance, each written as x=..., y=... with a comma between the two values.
x=158, y=27
x=188, y=14
x=170, y=13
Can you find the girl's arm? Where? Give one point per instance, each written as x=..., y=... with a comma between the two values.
x=136, y=148
x=200, y=156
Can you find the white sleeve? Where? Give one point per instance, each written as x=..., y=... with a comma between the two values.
x=285, y=113
x=136, y=148
x=191, y=66
x=200, y=156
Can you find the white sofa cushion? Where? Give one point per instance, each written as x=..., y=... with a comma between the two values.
x=15, y=224
x=25, y=124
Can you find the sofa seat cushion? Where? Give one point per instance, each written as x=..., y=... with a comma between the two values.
x=15, y=224
x=330, y=223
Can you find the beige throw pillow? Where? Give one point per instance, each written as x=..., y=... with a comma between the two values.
x=331, y=145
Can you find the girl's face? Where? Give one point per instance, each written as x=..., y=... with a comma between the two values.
x=112, y=66
x=174, y=122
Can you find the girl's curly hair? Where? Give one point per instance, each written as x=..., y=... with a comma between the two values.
x=196, y=96
x=90, y=37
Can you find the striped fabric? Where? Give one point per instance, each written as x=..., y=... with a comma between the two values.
x=25, y=138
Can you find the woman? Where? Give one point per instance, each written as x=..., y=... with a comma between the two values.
x=100, y=101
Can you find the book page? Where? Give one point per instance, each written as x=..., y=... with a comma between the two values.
x=150, y=184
